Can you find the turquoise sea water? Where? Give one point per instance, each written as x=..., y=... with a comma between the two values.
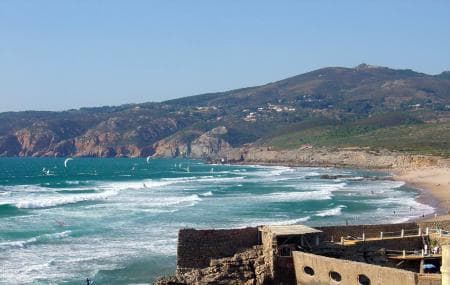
x=116, y=220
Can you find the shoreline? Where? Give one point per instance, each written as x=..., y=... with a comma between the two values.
x=431, y=182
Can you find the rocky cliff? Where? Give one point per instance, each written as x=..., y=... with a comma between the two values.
x=328, y=157
x=114, y=137
x=209, y=145
x=244, y=268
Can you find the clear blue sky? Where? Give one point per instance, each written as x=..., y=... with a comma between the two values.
x=57, y=55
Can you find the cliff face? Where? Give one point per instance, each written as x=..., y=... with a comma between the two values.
x=37, y=140
x=9, y=145
x=209, y=145
x=114, y=137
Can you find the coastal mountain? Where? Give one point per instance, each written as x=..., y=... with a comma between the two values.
x=365, y=106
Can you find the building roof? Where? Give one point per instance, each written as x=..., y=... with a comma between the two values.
x=290, y=230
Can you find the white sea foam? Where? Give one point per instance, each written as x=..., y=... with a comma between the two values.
x=296, y=196
x=266, y=171
x=261, y=222
x=331, y=212
x=33, y=240
x=170, y=201
x=142, y=221
x=27, y=188
x=355, y=178
x=395, y=184
x=399, y=202
x=317, y=186
x=143, y=184
x=167, y=201
x=310, y=192
x=52, y=201
x=289, y=222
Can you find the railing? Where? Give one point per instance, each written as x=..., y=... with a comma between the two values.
x=425, y=252
x=406, y=253
x=440, y=232
x=387, y=235
x=396, y=234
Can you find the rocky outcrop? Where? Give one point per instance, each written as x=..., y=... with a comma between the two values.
x=327, y=157
x=9, y=145
x=114, y=137
x=248, y=267
x=64, y=148
x=37, y=140
x=177, y=145
x=209, y=145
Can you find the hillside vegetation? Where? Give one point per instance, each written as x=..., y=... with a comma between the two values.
x=365, y=106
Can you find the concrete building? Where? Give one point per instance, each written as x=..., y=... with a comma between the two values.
x=278, y=244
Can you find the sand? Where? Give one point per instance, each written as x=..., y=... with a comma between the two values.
x=433, y=183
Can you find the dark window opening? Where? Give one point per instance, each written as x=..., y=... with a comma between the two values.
x=308, y=270
x=363, y=279
x=335, y=276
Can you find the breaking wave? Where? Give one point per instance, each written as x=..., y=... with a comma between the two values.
x=47, y=202
x=296, y=196
x=38, y=239
x=331, y=212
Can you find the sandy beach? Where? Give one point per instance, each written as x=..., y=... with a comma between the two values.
x=433, y=183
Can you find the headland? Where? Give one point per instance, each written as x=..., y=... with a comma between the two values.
x=428, y=174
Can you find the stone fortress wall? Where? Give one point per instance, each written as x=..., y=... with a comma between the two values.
x=196, y=248
x=215, y=255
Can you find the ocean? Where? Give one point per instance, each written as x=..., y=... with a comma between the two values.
x=115, y=220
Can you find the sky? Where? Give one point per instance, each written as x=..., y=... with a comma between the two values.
x=57, y=55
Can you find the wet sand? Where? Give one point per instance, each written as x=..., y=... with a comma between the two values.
x=432, y=182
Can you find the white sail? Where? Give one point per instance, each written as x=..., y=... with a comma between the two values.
x=66, y=161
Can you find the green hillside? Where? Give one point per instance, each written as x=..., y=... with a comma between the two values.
x=371, y=106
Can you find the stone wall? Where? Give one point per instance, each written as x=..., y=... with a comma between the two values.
x=244, y=268
x=349, y=271
x=200, y=250
x=369, y=230
x=196, y=248
x=429, y=279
